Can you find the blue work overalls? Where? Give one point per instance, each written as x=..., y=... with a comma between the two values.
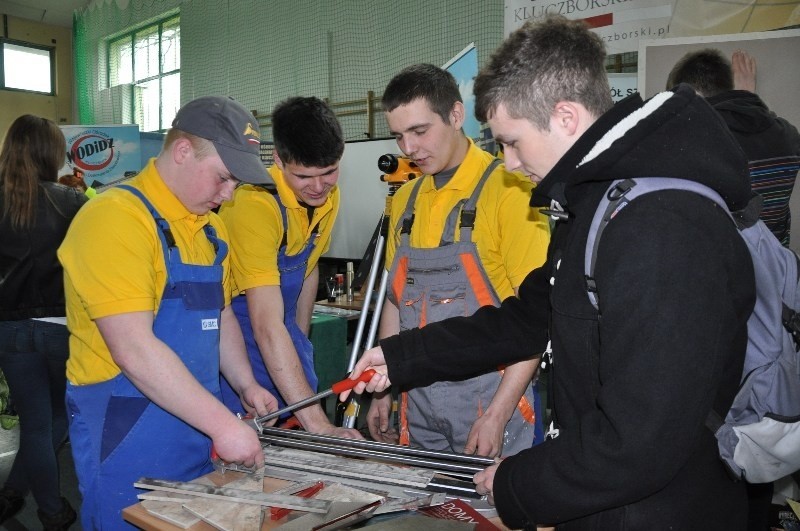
x=292, y=271
x=118, y=435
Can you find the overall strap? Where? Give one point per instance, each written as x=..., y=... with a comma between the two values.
x=273, y=190
x=467, y=209
x=270, y=188
x=168, y=246
x=407, y=219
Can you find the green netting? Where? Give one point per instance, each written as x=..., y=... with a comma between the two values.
x=263, y=51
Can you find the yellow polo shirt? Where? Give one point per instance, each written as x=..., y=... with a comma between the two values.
x=254, y=222
x=113, y=264
x=511, y=237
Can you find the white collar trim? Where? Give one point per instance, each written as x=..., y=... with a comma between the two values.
x=619, y=130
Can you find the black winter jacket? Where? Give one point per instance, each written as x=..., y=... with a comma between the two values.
x=31, y=277
x=631, y=387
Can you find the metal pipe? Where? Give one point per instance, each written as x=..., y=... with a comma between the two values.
x=464, y=471
x=381, y=447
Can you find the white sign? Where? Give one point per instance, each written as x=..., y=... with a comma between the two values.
x=620, y=23
x=622, y=85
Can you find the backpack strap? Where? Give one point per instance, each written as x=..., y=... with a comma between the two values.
x=791, y=320
x=619, y=194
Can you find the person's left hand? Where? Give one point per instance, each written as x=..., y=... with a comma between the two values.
x=484, y=482
x=259, y=402
x=486, y=436
x=337, y=431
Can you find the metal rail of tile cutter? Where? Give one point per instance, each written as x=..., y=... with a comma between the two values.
x=450, y=464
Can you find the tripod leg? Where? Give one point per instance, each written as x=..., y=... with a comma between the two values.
x=377, y=263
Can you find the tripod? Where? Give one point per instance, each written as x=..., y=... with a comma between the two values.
x=398, y=171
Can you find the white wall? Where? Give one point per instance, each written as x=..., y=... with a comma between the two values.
x=363, y=197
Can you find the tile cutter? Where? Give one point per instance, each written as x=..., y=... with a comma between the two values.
x=338, y=387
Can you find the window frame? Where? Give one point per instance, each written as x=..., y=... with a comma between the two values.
x=130, y=36
x=24, y=44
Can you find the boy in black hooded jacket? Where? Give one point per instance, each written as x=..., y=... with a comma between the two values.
x=632, y=385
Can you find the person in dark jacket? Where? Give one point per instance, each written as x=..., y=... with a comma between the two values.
x=771, y=143
x=34, y=341
x=631, y=386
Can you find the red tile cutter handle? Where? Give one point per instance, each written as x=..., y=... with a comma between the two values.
x=337, y=388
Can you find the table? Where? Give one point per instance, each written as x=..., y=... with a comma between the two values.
x=138, y=515
x=357, y=304
x=328, y=334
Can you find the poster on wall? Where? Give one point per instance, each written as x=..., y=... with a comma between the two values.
x=464, y=67
x=104, y=153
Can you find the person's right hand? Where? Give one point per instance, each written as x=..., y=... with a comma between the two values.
x=238, y=443
x=378, y=419
x=743, y=66
x=371, y=359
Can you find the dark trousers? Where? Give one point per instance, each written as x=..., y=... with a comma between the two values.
x=33, y=356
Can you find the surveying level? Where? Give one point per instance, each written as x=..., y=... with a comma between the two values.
x=397, y=169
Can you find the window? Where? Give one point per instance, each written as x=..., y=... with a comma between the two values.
x=149, y=60
x=27, y=67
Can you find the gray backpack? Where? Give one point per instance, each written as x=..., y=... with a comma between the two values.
x=759, y=438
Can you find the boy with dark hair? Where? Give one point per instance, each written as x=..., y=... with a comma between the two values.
x=277, y=237
x=633, y=383
x=436, y=85
x=461, y=236
x=707, y=71
x=772, y=144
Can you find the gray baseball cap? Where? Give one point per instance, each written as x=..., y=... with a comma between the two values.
x=232, y=129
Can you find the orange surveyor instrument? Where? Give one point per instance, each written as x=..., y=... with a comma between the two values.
x=338, y=387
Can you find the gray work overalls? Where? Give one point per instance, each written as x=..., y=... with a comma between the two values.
x=429, y=285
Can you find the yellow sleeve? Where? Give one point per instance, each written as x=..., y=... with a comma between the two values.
x=255, y=229
x=109, y=255
x=524, y=231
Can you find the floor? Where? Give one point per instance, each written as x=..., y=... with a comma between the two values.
x=26, y=519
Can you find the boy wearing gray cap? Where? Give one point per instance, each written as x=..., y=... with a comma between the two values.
x=147, y=282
